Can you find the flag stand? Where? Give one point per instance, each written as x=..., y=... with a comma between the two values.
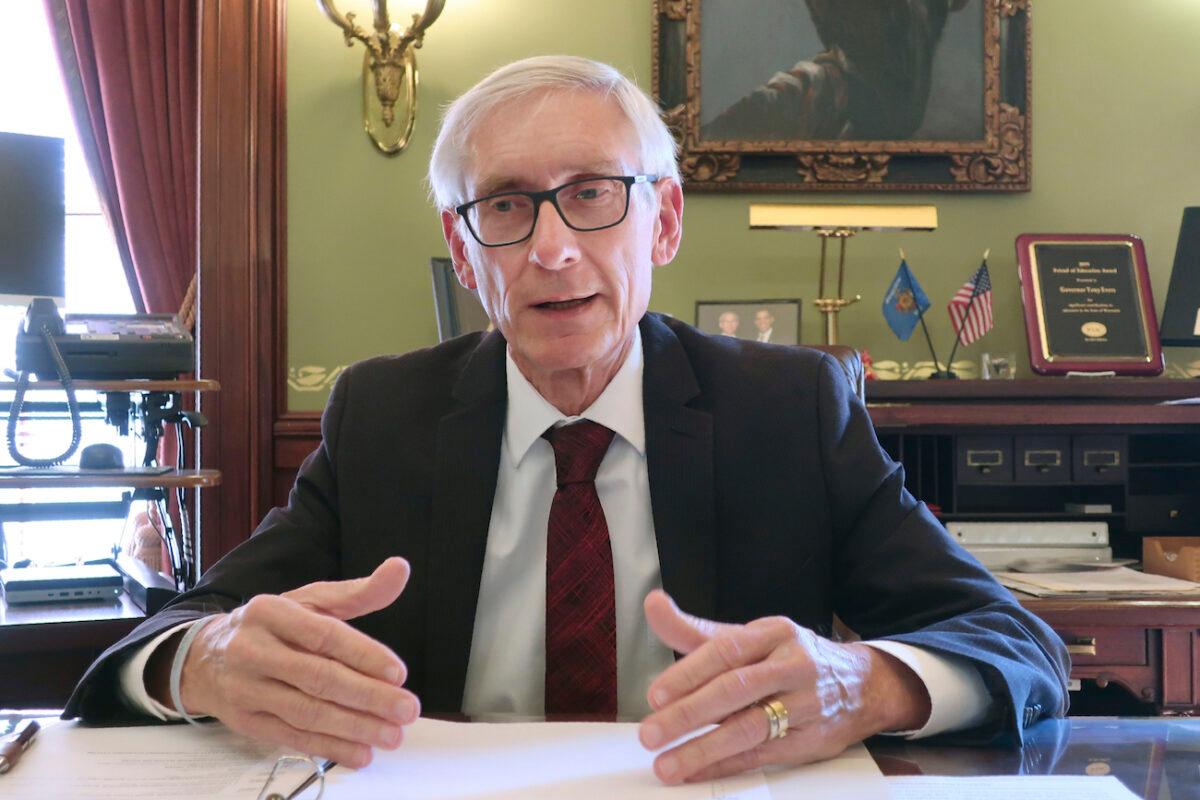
x=949, y=372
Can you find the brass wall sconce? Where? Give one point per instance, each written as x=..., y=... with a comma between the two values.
x=840, y=222
x=388, y=63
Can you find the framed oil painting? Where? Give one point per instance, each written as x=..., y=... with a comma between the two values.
x=862, y=95
x=775, y=321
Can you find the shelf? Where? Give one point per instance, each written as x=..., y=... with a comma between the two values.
x=1164, y=464
x=120, y=608
x=1086, y=390
x=1019, y=516
x=175, y=479
x=120, y=386
x=1020, y=484
x=952, y=417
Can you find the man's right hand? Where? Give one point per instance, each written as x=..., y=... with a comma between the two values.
x=288, y=669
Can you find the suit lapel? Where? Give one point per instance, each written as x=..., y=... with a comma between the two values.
x=679, y=456
x=465, y=470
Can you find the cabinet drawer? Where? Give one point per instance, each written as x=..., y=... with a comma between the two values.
x=1098, y=459
x=1042, y=459
x=983, y=459
x=1101, y=646
x=1163, y=513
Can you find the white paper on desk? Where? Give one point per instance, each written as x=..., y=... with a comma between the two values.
x=527, y=761
x=1119, y=579
x=1009, y=787
x=68, y=761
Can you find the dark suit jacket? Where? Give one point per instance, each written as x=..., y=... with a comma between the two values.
x=770, y=495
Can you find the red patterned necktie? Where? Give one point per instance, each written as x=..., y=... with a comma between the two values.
x=581, y=617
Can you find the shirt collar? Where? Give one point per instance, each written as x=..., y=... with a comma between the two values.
x=619, y=406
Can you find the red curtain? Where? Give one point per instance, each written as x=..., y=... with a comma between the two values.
x=131, y=71
x=130, y=67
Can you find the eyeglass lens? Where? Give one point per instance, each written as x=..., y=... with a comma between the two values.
x=584, y=205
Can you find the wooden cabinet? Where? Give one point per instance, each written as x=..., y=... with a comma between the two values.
x=1149, y=648
x=1032, y=450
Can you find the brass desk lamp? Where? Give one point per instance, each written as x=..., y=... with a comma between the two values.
x=839, y=222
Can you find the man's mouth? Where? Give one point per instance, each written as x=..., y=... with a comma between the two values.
x=562, y=305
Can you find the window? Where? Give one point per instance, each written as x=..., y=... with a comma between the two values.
x=32, y=101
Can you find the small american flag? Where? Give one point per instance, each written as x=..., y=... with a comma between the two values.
x=972, y=319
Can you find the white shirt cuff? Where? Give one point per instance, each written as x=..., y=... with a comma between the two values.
x=133, y=676
x=957, y=697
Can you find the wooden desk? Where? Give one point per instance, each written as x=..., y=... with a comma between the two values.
x=1150, y=648
x=1157, y=759
x=46, y=647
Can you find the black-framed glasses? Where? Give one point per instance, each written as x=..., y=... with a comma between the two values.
x=587, y=204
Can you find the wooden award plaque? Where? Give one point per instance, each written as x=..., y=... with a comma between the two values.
x=1088, y=305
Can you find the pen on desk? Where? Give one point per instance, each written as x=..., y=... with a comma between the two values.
x=10, y=751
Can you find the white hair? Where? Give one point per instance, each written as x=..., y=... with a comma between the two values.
x=447, y=165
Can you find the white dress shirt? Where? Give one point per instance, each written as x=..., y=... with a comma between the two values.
x=506, y=670
x=765, y=336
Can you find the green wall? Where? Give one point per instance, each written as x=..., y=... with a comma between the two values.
x=1116, y=148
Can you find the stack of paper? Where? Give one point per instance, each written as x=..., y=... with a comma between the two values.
x=1010, y=787
x=443, y=760
x=577, y=760
x=437, y=761
x=1119, y=580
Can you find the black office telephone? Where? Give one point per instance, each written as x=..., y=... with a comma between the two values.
x=103, y=346
x=92, y=346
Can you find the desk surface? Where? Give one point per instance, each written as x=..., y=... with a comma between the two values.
x=1158, y=758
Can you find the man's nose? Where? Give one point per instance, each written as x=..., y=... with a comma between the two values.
x=553, y=244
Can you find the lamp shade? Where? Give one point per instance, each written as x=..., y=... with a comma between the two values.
x=791, y=216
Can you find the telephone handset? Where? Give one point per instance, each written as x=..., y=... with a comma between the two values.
x=42, y=313
x=42, y=320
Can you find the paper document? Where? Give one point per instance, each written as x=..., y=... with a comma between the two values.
x=68, y=761
x=575, y=760
x=1009, y=787
x=1120, y=579
x=481, y=761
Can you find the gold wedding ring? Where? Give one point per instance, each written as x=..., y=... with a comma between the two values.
x=777, y=718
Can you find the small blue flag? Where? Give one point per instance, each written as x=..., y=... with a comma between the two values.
x=904, y=302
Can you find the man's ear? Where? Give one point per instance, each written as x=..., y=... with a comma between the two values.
x=458, y=249
x=668, y=228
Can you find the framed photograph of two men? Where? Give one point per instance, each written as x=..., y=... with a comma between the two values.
x=813, y=95
x=1088, y=306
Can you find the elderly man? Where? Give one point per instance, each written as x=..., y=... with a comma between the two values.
x=513, y=521
x=728, y=323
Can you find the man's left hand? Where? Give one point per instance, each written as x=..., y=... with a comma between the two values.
x=835, y=694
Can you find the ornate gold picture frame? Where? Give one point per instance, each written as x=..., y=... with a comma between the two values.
x=836, y=95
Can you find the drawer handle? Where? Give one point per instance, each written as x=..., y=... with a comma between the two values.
x=1082, y=647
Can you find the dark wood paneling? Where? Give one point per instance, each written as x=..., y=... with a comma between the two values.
x=241, y=249
x=296, y=435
